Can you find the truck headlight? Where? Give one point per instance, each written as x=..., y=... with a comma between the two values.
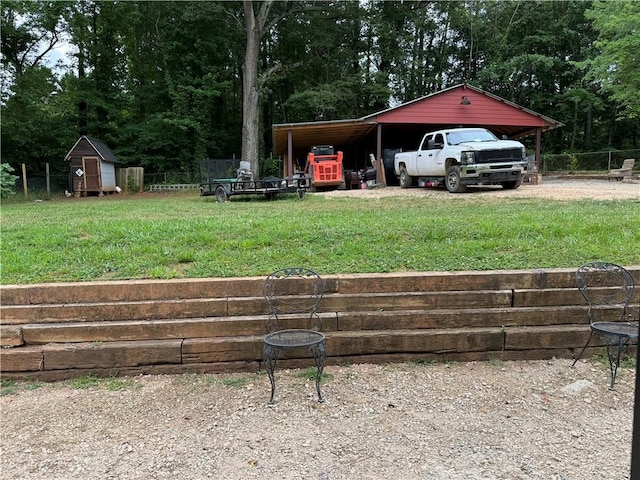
x=467, y=158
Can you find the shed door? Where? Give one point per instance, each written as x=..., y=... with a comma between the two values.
x=91, y=167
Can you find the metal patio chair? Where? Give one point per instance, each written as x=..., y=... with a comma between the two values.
x=608, y=289
x=293, y=295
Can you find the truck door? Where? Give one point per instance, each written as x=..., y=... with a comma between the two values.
x=430, y=158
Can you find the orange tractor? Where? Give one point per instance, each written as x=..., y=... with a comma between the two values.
x=324, y=167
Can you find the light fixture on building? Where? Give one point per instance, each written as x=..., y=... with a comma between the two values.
x=465, y=101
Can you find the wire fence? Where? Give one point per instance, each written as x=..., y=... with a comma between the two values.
x=592, y=162
x=170, y=178
x=55, y=184
x=588, y=161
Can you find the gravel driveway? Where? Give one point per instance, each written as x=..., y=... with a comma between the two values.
x=484, y=420
x=551, y=188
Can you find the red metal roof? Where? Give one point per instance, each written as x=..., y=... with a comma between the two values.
x=437, y=110
x=445, y=107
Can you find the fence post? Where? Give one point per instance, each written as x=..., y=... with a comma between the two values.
x=48, y=178
x=24, y=180
x=609, y=165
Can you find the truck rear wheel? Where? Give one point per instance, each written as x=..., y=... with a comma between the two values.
x=405, y=178
x=453, y=180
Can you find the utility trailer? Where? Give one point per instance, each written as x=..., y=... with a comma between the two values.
x=224, y=188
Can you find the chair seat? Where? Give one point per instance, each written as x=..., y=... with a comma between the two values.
x=621, y=329
x=624, y=171
x=297, y=338
x=294, y=291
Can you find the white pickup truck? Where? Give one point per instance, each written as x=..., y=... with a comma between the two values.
x=462, y=156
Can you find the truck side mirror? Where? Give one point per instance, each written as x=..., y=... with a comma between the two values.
x=505, y=137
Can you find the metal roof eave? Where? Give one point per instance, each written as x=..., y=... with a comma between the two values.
x=307, y=134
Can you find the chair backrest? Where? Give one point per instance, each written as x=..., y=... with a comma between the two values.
x=628, y=164
x=605, y=285
x=293, y=290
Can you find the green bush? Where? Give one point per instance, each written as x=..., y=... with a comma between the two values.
x=271, y=166
x=7, y=180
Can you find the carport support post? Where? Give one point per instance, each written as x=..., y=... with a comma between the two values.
x=289, y=171
x=538, y=141
x=379, y=154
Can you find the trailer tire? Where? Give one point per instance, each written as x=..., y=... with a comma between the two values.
x=221, y=194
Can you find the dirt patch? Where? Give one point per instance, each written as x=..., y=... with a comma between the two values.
x=483, y=420
x=554, y=189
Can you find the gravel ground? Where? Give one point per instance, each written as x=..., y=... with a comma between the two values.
x=480, y=420
x=498, y=420
x=552, y=188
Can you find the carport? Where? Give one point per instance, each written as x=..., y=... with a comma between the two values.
x=402, y=127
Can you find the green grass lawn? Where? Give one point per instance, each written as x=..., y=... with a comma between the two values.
x=184, y=235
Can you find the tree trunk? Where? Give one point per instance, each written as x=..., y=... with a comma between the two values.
x=587, y=128
x=83, y=115
x=574, y=133
x=251, y=85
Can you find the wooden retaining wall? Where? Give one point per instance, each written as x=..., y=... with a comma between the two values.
x=57, y=331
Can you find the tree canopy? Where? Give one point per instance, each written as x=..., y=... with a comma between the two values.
x=615, y=66
x=166, y=84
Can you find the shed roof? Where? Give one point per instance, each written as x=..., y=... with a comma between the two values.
x=101, y=149
x=439, y=110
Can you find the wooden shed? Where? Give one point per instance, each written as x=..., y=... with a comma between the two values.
x=92, y=167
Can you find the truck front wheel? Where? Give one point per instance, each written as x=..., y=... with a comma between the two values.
x=453, y=181
x=405, y=178
x=512, y=185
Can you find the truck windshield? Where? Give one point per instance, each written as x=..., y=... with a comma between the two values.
x=456, y=138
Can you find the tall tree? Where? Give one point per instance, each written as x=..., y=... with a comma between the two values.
x=418, y=45
x=616, y=66
x=182, y=77
x=260, y=17
x=527, y=52
x=35, y=117
x=95, y=31
x=30, y=31
x=255, y=24
x=332, y=47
